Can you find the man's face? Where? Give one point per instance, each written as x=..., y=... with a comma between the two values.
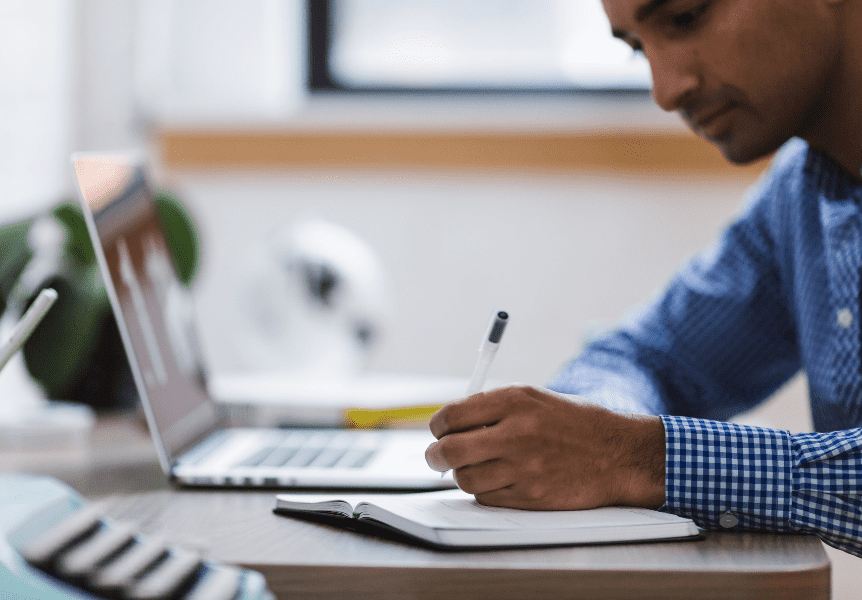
x=745, y=74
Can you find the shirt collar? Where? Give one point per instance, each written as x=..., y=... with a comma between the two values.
x=833, y=181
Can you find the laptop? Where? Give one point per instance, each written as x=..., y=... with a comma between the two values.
x=155, y=315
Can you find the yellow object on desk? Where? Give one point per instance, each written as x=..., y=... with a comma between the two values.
x=382, y=418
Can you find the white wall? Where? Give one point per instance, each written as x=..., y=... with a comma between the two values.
x=107, y=115
x=563, y=254
x=140, y=63
x=557, y=252
x=36, y=103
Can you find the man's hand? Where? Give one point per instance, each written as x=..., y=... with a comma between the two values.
x=526, y=447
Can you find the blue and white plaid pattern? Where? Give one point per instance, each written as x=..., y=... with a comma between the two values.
x=769, y=480
x=778, y=292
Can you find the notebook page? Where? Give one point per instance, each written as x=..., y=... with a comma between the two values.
x=453, y=509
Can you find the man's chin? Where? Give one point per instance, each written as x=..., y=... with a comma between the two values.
x=742, y=154
x=740, y=158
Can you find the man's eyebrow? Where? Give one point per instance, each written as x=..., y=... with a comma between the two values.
x=644, y=12
x=641, y=14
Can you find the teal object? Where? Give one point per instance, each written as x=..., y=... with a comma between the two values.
x=76, y=353
x=32, y=506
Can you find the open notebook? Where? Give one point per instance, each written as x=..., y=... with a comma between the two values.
x=453, y=519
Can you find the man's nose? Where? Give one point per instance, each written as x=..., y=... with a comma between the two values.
x=675, y=77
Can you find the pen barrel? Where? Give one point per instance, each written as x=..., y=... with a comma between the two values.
x=486, y=357
x=27, y=324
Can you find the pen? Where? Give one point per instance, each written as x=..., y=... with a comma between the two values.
x=27, y=324
x=487, y=351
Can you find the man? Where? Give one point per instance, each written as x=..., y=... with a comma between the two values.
x=779, y=292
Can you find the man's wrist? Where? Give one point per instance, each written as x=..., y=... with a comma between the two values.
x=642, y=462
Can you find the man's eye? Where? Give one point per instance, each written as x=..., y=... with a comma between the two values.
x=689, y=17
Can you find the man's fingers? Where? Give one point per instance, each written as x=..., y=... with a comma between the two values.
x=479, y=410
x=458, y=449
x=484, y=477
x=513, y=496
x=434, y=459
x=503, y=497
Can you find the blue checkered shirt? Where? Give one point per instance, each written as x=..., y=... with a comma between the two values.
x=779, y=292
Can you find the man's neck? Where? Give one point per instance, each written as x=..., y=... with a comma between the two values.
x=839, y=133
x=842, y=140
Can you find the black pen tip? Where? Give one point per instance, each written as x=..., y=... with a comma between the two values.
x=497, y=328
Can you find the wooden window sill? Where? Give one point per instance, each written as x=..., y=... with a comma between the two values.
x=660, y=153
x=544, y=132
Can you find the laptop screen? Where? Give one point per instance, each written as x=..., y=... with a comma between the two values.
x=153, y=309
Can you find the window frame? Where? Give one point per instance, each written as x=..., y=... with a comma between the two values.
x=320, y=79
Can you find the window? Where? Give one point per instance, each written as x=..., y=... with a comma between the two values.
x=469, y=45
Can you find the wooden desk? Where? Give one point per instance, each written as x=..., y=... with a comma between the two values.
x=308, y=560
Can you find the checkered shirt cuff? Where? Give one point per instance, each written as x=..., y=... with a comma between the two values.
x=727, y=475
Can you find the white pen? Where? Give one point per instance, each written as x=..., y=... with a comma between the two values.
x=27, y=324
x=487, y=351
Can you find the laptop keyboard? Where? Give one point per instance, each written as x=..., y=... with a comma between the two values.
x=337, y=449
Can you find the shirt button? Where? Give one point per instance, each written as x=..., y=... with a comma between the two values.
x=845, y=318
x=728, y=520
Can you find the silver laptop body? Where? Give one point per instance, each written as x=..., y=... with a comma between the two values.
x=155, y=317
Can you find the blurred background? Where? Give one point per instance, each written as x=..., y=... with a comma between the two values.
x=489, y=155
